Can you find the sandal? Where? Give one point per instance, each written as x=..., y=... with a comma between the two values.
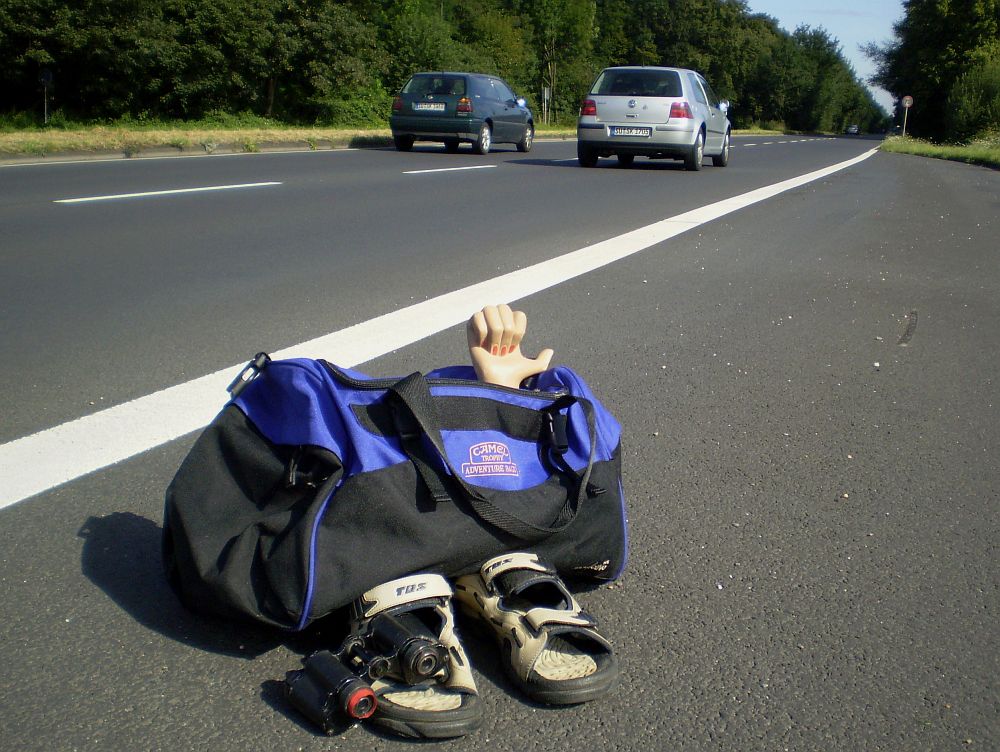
x=550, y=647
x=423, y=682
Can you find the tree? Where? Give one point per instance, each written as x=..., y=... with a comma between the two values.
x=974, y=101
x=929, y=53
x=564, y=33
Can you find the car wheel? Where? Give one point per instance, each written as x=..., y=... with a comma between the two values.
x=626, y=160
x=485, y=140
x=526, y=140
x=451, y=145
x=697, y=154
x=723, y=159
x=403, y=143
x=585, y=156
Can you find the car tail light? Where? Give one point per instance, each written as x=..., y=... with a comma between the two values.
x=680, y=110
x=588, y=107
x=464, y=105
x=397, y=104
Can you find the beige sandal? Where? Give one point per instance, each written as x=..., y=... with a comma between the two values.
x=550, y=647
x=427, y=689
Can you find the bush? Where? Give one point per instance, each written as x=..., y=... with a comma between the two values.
x=974, y=101
x=365, y=107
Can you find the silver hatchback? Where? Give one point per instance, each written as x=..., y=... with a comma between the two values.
x=660, y=113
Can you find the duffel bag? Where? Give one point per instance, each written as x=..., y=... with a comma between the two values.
x=315, y=483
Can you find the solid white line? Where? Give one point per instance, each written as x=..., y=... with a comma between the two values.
x=163, y=193
x=36, y=463
x=449, y=169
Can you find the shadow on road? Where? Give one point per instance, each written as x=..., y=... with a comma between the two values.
x=121, y=555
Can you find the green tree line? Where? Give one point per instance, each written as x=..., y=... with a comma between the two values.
x=339, y=63
x=946, y=55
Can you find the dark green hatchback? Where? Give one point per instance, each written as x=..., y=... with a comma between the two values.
x=453, y=107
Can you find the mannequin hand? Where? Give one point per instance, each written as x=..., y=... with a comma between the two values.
x=495, y=335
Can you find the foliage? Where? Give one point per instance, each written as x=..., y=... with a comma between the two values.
x=340, y=61
x=929, y=55
x=974, y=101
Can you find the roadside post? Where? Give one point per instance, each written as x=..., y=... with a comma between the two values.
x=907, y=104
x=45, y=79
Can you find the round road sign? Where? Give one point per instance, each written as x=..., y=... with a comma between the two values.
x=907, y=101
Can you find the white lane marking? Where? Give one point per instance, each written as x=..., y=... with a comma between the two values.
x=163, y=193
x=748, y=144
x=36, y=463
x=449, y=169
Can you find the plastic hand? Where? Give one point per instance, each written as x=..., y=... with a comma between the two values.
x=495, y=346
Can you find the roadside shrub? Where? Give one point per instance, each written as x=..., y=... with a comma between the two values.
x=19, y=121
x=974, y=100
x=365, y=107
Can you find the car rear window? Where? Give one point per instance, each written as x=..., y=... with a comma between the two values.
x=638, y=83
x=439, y=85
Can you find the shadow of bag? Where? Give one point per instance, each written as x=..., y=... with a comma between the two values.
x=316, y=483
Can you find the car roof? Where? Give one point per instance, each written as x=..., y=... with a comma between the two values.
x=454, y=73
x=649, y=67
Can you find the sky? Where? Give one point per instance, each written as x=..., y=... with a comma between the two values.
x=851, y=22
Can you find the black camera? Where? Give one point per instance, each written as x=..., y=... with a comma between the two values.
x=411, y=646
x=329, y=693
x=333, y=690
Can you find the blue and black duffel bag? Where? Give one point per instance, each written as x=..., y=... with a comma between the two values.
x=316, y=483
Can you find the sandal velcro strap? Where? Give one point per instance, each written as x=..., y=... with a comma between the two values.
x=550, y=617
x=400, y=592
x=506, y=564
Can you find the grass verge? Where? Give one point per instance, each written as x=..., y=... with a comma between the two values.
x=219, y=134
x=130, y=141
x=981, y=151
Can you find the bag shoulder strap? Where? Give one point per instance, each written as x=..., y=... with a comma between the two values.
x=414, y=412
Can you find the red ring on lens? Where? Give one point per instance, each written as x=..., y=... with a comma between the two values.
x=365, y=698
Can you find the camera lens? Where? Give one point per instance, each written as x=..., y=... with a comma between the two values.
x=421, y=660
x=357, y=700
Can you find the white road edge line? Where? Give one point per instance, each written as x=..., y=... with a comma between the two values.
x=449, y=169
x=49, y=458
x=163, y=193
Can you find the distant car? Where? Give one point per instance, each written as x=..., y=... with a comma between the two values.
x=655, y=112
x=453, y=107
x=853, y=130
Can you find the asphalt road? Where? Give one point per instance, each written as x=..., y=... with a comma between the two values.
x=806, y=386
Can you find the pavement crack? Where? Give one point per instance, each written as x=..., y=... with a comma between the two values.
x=911, y=327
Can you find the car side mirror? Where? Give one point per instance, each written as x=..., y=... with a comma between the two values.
x=724, y=105
x=520, y=101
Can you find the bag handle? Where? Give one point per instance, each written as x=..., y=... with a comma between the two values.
x=415, y=415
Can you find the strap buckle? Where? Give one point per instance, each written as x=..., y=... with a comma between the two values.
x=250, y=371
x=555, y=427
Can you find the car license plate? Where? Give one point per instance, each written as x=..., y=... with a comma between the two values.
x=631, y=130
x=429, y=106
